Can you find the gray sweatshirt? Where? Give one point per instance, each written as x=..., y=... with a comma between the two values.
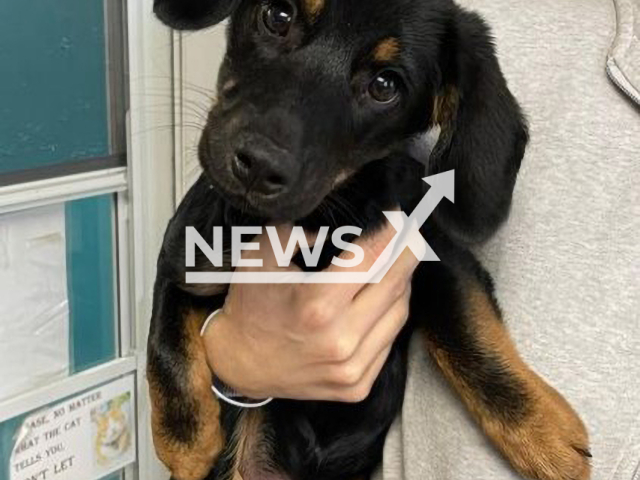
x=567, y=264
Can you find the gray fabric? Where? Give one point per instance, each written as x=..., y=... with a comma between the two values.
x=567, y=264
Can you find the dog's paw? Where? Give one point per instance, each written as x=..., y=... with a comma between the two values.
x=551, y=442
x=188, y=456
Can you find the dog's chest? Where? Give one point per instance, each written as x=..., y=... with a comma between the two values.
x=291, y=440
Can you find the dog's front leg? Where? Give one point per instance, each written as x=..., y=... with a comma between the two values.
x=185, y=413
x=530, y=423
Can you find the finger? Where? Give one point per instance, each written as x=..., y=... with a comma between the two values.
x=373, y=372
x=375, y=299
x=347, y=348
x=338, y=388
x=400, y=272
x=373, y=246
x=372, y=302
x=359, y=391
x=392, y=284
x=384, y=332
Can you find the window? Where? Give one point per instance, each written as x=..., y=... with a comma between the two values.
x=63, y=87
x=86, y=189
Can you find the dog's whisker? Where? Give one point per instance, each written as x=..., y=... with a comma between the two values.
x=183, y=83
x=170, y=127
x=194, y=104
x=167, y=109
x=198, y=111
x=188, y=115
x=327, y=212
x=346, y=208
x=159, y=94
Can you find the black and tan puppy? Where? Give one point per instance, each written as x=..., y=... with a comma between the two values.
x=321, y=103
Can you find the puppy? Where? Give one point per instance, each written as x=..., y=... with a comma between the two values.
x=320, y=105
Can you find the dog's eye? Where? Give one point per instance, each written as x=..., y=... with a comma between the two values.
x=385, y=87
x=277, y=18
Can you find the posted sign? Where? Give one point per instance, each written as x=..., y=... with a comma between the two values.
x=83, y=438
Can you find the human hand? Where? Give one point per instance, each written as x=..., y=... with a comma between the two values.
x=310, y=341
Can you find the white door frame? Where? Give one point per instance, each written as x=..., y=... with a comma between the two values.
x=151, y=180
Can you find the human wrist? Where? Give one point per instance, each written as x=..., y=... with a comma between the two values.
x=226, y=361
x=216, y=337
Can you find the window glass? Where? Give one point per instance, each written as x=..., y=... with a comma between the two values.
x=57, y=292
x=54, y=86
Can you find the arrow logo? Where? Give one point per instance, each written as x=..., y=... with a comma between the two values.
x=407, y=236
x=442, y=186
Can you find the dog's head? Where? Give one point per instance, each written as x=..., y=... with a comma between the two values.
x=312, y=90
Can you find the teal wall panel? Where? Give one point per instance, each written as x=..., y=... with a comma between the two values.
x=91, y=281
x=8, y=431
x=115, y=476
x=53, y=91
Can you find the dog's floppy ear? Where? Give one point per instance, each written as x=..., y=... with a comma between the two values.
x=193, y=14
x=483, y=132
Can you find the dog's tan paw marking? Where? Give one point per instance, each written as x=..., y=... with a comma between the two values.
x=191, y=460
x=551, y=442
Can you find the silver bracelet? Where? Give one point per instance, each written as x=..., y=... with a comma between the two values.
x=223, y=391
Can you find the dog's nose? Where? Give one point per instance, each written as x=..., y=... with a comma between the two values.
x=266, y=172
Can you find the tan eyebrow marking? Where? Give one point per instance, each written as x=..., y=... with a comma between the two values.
x=313, y=7
x=387, y=50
